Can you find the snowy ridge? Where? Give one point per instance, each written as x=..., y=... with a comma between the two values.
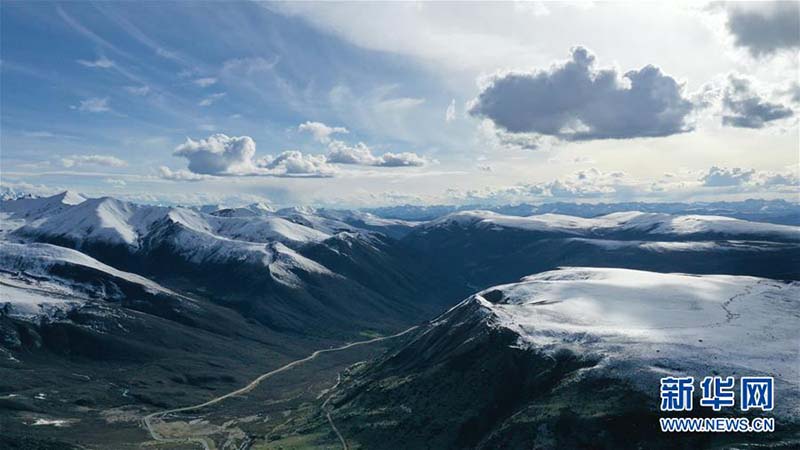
x=650, y=223
x=30, y=291
x=652, y=323
x=38, y=259
x=115, y=222
x=687, y=246
x=15, y=211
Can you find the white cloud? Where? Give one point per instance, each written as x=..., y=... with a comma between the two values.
x=211, y=99
x=94, y=105
x=717, y=177
x=101, y=63
x=576, y=101
x=205, y=82
x=361, y=154
x=590, y=183
x=293, y=162
x=180, y=175
x=321, y=132
x=600, y=185
x=450, y=114
x=221, y=155
x=96, y=160
x=339, y=152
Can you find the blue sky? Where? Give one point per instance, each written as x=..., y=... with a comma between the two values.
x=402, y=103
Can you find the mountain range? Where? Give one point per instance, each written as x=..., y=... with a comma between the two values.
x=161, y=305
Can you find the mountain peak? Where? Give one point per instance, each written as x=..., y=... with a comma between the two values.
x=69, y=197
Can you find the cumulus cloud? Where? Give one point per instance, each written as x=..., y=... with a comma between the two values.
x=100, y=63
x=339, y=152
x=94, y=105
x=576, y=101
x=597, y=184
x=764, y=28
x=718, y=176
x=743, y=107
x=790, y=179
x=747, y=178
x=293, y=162
x=589, y=183
x=321, y=132
x=95, y=160
x=221, y=155
x=361, y=154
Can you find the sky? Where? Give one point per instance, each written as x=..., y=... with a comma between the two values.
x=375, y=104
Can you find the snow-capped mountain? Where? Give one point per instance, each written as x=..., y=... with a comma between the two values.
x=111, y=221
x=619, y=224
x=251, y=258
x=485, y=248
x=772, y=211
x=40, y=279
x=698, y=323
x=572, y=358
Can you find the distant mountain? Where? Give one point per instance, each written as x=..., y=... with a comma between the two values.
x=572, y=359
x=624, y=224
x=481, y=248
x=772, y=211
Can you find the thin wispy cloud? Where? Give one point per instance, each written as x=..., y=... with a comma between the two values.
x=211, y=99
x=205, y=82
x=102, y=63
x=137, y=90
x=450, y=113
x=93, y=105
x=93, y=160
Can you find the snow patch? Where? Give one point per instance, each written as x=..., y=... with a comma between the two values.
x=636, y=320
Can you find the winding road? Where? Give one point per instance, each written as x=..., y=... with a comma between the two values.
x=252, y=385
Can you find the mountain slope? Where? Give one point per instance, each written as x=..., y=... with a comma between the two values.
x=480, y=249
x=572, y=359
x=256, y=264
